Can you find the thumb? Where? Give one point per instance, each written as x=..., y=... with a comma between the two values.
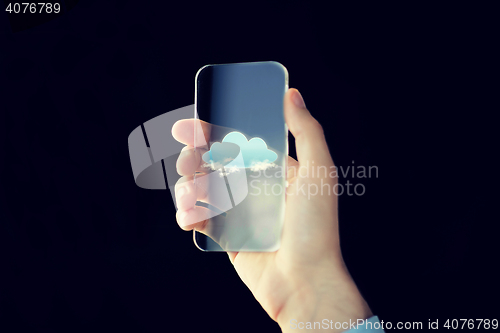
x=310, y=141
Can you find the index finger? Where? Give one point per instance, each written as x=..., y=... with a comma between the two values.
x=192, y=132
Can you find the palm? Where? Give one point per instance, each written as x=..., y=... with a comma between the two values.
x=267, y=274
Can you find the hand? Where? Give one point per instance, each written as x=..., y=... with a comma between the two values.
x=306, y=280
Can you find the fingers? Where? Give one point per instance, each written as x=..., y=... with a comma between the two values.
x=192, y=132
x=308, y=133
x=187, y=193
x=194, y=218
x=190, y=161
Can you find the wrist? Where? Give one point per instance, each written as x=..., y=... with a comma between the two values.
x=322, y=304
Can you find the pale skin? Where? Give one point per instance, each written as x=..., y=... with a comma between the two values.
x=306, y=279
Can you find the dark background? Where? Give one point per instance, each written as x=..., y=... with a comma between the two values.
x=406, y=88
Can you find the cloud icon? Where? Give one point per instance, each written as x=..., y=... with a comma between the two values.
x=255, y=154
x=221, y=154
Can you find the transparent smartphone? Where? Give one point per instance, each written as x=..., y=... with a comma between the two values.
x=244, y=155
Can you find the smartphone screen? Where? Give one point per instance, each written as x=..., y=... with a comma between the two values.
x=245, y=155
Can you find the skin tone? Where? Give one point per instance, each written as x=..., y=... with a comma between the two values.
x=306, y=279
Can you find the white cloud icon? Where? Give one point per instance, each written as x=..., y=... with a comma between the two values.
x=256, y=155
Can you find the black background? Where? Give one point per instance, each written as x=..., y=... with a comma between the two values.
x=405, y=88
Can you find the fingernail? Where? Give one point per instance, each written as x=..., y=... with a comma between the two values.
x=298, y=100
x=181, y=192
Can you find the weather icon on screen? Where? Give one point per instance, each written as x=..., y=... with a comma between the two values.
x=255, y=155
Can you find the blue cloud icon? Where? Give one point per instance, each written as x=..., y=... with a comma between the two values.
x=221, y=154
x=255, y=153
